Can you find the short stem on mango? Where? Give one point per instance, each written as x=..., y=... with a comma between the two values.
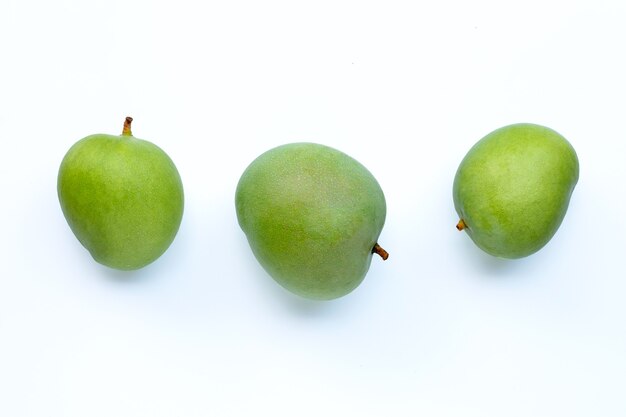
x=377, y=249
x=126, y=131
x=461, y=225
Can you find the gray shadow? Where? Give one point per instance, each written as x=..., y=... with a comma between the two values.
x=309, y=308
x=127, y=277
x=491, y=267
x=304, y=307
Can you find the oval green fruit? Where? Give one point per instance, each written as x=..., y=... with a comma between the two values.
x=312, y=216
x=513, y=188
x=122, y=197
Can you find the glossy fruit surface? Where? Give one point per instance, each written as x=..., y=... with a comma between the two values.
x=312, y=216
x=513, y=188
x=122, y=197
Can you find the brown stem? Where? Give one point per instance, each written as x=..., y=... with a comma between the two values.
x=461, y=225
x=377, y=249
x=126, y=131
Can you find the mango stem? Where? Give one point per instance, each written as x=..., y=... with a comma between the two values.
x=461, y=225
x=126, y=131
x=377, y=249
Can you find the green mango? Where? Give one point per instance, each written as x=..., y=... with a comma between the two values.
x=122, y=197
x=513, y=188
x=312, y=216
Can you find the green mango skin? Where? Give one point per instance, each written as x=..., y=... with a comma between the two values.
x=122, y=197
x=513, y=188
x=312, y=216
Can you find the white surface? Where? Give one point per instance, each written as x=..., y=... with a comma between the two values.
x=440, y=329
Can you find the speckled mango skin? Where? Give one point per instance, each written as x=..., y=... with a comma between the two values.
x=312, y=215
x=122, y=197
x=513, y=188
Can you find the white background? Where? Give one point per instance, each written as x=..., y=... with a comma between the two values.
x=406, y=88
